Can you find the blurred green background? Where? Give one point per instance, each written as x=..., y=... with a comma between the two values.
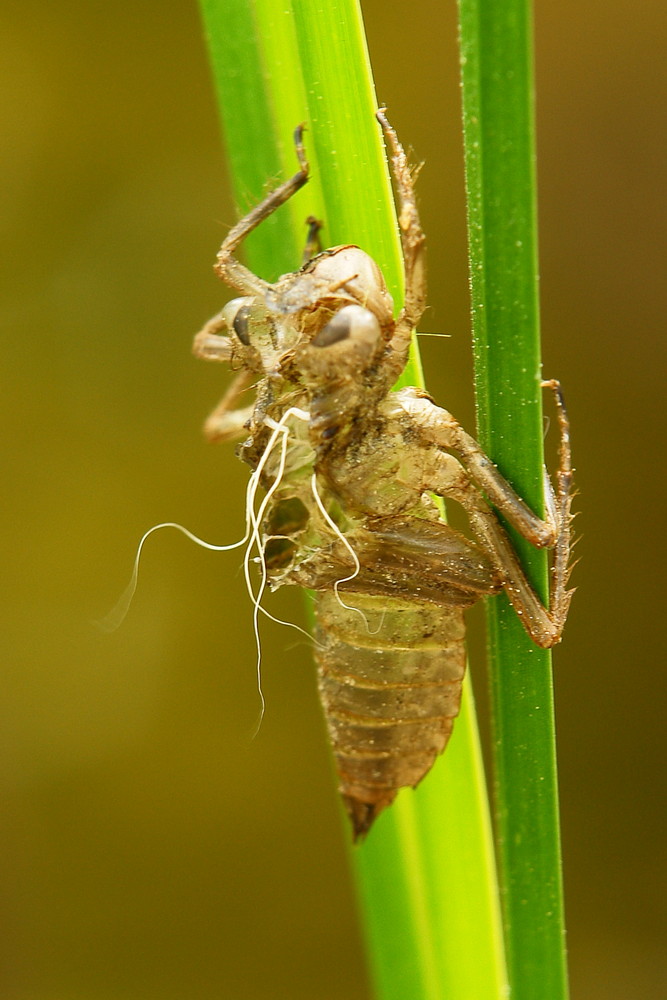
x=149, y=847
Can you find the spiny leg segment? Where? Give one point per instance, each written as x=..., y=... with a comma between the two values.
x=472, y=479
x=227, y=267
x=414, y=263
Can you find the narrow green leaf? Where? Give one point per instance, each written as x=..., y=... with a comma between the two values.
x=497, y=70
x=426, y=872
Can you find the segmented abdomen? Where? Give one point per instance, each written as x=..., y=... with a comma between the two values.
x=390, y=676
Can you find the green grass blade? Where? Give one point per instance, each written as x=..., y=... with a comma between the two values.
x=426, y=873
x=496, y=50
x=253, y=55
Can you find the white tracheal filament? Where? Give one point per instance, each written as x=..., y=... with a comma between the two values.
x=117, y=615
x=251, y=538
x=253, y=521
x=355, y=559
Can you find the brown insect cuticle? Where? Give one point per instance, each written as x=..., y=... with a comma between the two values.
x=350, y=513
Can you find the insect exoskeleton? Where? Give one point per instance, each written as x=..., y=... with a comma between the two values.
x=350, y=468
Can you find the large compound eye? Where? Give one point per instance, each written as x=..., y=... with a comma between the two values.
x=237, y=315
x=240, y=325
x=351, y=323
x=336, y=329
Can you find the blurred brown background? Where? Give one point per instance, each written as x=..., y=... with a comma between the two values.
x=149, y=849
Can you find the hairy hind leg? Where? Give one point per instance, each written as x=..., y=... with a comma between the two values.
x=451, y=479
x=439, y=427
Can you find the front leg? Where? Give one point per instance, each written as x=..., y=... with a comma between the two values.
x=212, y=343
x=225, y=422
x=231, y=271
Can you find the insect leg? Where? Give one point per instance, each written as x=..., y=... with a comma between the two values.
x=412, y=242
x=313, y=242
x=543, y=625
x=225, y=423
x=210, y=344
x=442, y=429
x=448, y=478
x=231, y=271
